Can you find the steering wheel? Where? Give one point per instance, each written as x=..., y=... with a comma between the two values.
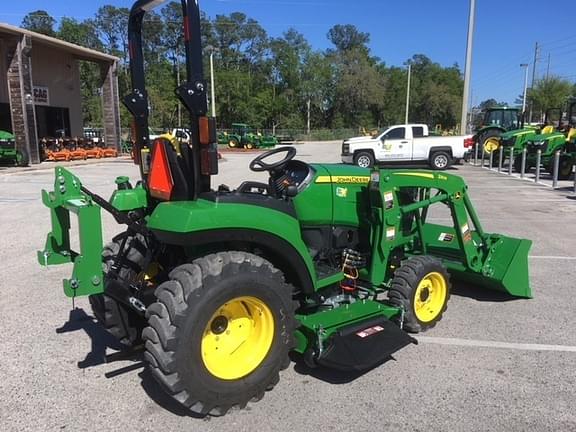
x=258, y=164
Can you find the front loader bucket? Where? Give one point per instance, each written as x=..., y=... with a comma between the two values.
x=505, y=267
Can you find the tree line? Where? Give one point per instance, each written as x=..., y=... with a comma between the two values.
x=268, y=82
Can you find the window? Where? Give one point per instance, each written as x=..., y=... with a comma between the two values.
x=417, y=131
x=396, y=133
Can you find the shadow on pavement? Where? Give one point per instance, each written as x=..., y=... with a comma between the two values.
x=99, y=337
x=331, y=376
x=479, y=293
x=160, y=397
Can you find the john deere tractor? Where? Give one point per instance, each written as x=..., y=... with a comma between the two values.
x=562, y=140
x=9, y=154
x=335, y=263
x=496, y=121
x=514, y=141
x=243, y=136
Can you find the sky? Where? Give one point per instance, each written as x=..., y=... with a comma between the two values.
x=505, y=35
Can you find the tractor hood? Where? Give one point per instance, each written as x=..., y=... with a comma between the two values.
x=340, y=173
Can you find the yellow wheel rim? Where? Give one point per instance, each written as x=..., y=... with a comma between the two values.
x=231, y=143
x=430, y=297
x=491, y=145
x=237, y=338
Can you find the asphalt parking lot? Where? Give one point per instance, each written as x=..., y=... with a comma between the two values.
x=491, y=364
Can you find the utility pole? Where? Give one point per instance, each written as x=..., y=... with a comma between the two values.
x=468, y=66
x=408, y=94
x=548, y=67
x=536, y=56
x=308, y=116
x=178, y=85
x=212, y=90
x=525, y=66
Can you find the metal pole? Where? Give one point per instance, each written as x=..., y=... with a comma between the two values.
x=178, y=85
x=482, y=159
x=476, y=154
x=490, y=160
x=500, y=158
x=212, y=90
x=511, y=161
x=555, y=171
x=408, y=94
x=533, y=78
x=468, y=66
x=525, y=66
x=574, y=174
x=523, y=165
x=538, y=156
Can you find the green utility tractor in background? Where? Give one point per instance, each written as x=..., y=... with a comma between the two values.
x=562, y=140
x=8, y=152
x=335, y=263
x=495, y=122
x=514, y=141
x=243, y=136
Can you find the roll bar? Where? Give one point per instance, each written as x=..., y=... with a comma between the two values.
x=192, y=92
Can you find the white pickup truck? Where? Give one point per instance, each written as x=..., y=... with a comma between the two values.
x=406, y=144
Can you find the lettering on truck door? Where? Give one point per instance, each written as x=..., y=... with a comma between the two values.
x=394, y=145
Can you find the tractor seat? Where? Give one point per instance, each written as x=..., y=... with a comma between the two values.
x=571, y=135
x=547, y=130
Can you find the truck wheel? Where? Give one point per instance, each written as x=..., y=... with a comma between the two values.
x=233, y=143
x=121, y=322
x=220, y=331
x=364, y=159
x=440, y=160
x=421, y=286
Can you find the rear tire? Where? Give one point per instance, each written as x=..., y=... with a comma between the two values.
x=197, y=312
x=364, y=159
x=233, y=143
x=485, y=138
x=440, y=160
x=120, y=320
x=421, y=287
x=565, y=168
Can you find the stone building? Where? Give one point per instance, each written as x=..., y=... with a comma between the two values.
x=40, y=89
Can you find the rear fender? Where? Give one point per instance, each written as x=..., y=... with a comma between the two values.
x=204, y=222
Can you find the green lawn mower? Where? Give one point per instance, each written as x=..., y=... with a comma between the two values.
x=9, y=155
x=243, y=136
x=334, y=263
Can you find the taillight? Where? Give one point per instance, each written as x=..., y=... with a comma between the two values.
x=468, y=142
x=160, y=182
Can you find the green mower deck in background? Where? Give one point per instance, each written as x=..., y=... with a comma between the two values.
x=335, y=263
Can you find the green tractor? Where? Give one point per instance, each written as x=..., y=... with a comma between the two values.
x=8, y=152
x=243, y=136
x=514, y=141
x=562, y=140
x=334, y=263
x=496, y=121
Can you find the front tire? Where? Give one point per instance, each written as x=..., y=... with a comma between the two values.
x=196, y=345
x=421, y=287
x=364, y=159
x=233, y=143
x=440, y=160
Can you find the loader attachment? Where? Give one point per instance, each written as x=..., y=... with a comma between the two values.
x=68, y=197
x=505, y=267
